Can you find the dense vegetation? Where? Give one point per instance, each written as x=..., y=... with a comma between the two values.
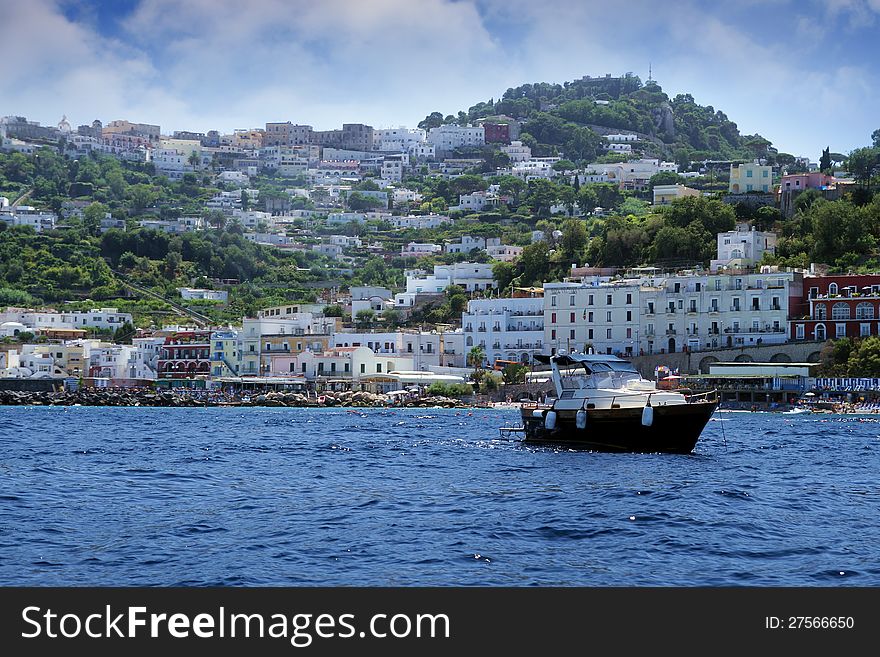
x=568, y=117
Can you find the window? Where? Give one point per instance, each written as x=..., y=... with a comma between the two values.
x=840, y=311
x=379, y=367
x=865, y=310
x=820, y=331
x=590, y=334
x=571, y=315
x=608, y=316
x=840, y=330
x=590, y=300
x=629, y=332
x=864, y=329
x=832, y=288
x=332, y=367
x=629, y=299
x=571, y=334
x=821, y=313
x=764, y=173
x=799, y=332
x=590, y=317
x=608, y=333
x=553, y=317
x=629, y=315
x=570, y=299
x=363, y=368
x=553, y=301
x=749, y=173
x=608, y=300
x=304, y=368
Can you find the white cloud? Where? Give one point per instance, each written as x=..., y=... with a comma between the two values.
x=222, y=64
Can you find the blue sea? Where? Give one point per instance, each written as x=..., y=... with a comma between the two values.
x=427, y=497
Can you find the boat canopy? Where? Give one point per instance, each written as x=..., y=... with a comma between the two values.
x=590, y=362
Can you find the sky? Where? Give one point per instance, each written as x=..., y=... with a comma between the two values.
x=802, y=73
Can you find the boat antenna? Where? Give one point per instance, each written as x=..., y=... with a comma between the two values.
x=723, y=436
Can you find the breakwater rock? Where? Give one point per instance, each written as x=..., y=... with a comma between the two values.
x=184, y=399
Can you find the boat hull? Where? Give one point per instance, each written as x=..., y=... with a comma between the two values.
x=675, y=428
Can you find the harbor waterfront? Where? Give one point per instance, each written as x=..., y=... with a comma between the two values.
x=410, y=497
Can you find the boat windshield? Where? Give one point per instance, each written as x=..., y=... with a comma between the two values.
x=599, y=375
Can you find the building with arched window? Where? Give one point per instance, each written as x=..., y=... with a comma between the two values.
x=835, y=307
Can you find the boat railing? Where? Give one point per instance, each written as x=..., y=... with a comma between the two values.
x=688, y=397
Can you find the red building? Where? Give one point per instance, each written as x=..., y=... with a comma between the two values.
x=497, y=133
x=836, y=307
x=185, y=355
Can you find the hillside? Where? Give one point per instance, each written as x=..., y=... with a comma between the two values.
x=570, y=117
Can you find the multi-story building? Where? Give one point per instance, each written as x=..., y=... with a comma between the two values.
x=465, y=245
x=753, y=177
x=517, y=151
x=225, y=352
x=25, y=215
x=263, y=338
x=449, y=137
x=347, y=365
x=834, y=307
x=146, y=130
x=743, y=247
x=105, y=318
x=287, y=134
x=602, y=316
x=507, y=329
x=185, y=355
x=424, y=348
x=397, y=139
x=469, y=275
x=696, y=312
x=503, y=252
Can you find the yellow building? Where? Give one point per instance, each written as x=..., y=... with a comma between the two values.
x=745, y=178
x=666, y=194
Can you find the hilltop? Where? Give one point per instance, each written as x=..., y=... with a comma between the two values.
x=571, y=117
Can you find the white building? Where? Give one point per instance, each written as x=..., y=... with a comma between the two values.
x=710, y=311
x=507, y=329
x=418, y=249
x=531, y=169
x=106, y=318
x=397, y=139
x=469, y=275
x=622, y=138
x=421, y=346
x=422, y=151
x=347, y=364
x=449, y=137
x=374, y=298
x=743, y=247
x=25, y=215
x=174, y=226
x=503, y=252
x=601, y=316
x=466, y=244
x=329, y=250
x=253, y=218
x=171, y=163
x=517, y=151
x=392, y=169
x=419, y=221
x=201, y=294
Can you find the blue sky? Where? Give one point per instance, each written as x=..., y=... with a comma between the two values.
x=803, y=73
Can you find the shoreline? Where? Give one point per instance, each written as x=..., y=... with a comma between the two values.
x=168, y=399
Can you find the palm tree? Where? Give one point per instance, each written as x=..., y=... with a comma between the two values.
x=195, y=159
x=476, y=356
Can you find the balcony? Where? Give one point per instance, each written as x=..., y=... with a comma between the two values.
x=671, y=332
x=735, y=309
x=670, y=311
x=649, y=311
x=692, y=310
x=714, y=309
x=481, y=329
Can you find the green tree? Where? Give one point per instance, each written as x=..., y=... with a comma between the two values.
x=92, y=216
x=476, y=357
x=664, y=178
x=574, y=240
x=861, y=163
x=334, y=310
x=514, y=373
x=365, y=317
x=875, y=137
x=825, y=160
x=541, y=195
x=503, y=273
x=714, y=215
